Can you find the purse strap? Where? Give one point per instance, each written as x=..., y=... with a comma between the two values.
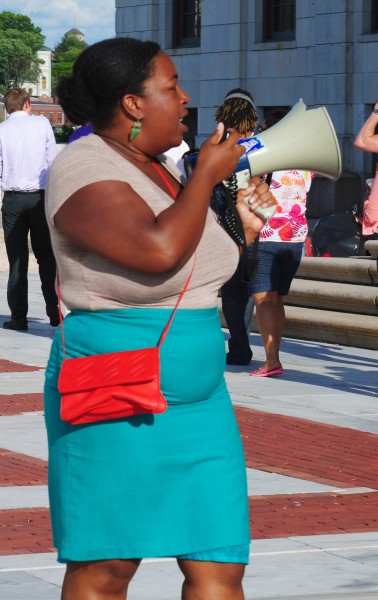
x=165, y=331
x=166, y=328
x=164, y=178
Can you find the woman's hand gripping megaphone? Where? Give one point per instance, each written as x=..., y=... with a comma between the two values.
x=219, y=158
x=242, y=181
x=253, y=203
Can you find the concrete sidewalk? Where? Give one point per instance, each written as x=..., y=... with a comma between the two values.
x=311, y=443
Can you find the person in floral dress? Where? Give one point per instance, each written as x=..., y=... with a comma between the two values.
x=281, y=248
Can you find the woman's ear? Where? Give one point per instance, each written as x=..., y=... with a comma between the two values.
x=131, y=105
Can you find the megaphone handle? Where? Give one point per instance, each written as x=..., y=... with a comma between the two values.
x=264, y=213
x=268, y=179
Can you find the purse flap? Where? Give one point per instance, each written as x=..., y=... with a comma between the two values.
x=103, y=370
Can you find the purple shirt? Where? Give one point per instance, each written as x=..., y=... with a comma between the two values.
x=79, y=132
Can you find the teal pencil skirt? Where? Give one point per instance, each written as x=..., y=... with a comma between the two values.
x=172, y=484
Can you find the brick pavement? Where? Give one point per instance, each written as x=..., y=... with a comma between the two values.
x=25, y=531
x=309, y=450
x=274, y=443
x=7, y=366
x=20, y=469
x=16, y=404
x=293, y=515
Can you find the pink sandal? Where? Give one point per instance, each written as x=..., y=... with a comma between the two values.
x=260, y=372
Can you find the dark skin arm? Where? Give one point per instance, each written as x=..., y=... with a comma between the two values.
x=366, y=138
x=110, y=219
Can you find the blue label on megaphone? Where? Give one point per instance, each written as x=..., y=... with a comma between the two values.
x=251, y=144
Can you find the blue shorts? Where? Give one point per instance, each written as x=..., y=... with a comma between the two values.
x=278, y=263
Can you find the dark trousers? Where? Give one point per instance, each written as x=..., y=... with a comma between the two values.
x=24, y=213
x=235, y=295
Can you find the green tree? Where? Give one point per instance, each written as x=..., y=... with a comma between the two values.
x=19, y=41
x=65, y=54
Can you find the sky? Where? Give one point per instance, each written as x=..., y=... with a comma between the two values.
x=94, y=18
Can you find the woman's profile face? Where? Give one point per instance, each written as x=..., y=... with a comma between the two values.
x=163, y=107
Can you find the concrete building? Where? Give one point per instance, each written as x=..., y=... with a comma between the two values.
x=40, y=91
x=323, y=52
x=42, y=87
x=74, y=32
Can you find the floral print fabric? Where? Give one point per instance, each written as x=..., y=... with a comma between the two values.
x=289, y=223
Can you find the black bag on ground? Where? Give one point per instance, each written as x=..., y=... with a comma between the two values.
x=339, y=234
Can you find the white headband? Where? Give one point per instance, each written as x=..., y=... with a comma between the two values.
x=242, y=96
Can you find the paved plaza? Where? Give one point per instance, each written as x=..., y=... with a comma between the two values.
x=311, y=445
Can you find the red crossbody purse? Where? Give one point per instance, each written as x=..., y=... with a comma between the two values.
x=113, y=385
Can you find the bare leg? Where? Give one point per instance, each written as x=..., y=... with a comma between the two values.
x=211, y=580
x=98, y=580
x=270, y=313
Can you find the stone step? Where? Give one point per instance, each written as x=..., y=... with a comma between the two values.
x=372, y=247
x=329, y=295
x=356, y=270
x=330, y=326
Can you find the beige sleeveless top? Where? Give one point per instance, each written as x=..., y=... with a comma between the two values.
x=90, y=282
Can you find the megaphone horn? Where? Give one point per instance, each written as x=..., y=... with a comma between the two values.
x=303, y=139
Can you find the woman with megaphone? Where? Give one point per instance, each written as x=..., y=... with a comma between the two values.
x=131, y=242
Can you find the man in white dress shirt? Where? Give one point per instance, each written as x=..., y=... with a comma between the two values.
x=27, y=149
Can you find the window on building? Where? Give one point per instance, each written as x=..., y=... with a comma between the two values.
x=374, y=16
x=51, y=117
x=192, y=122
x=44, y=83
x=186, y=23
x=279, y=19
x=59, y=117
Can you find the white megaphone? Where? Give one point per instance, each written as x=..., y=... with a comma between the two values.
x=304, y=139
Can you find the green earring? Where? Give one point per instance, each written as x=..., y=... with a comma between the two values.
x=135, y=130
